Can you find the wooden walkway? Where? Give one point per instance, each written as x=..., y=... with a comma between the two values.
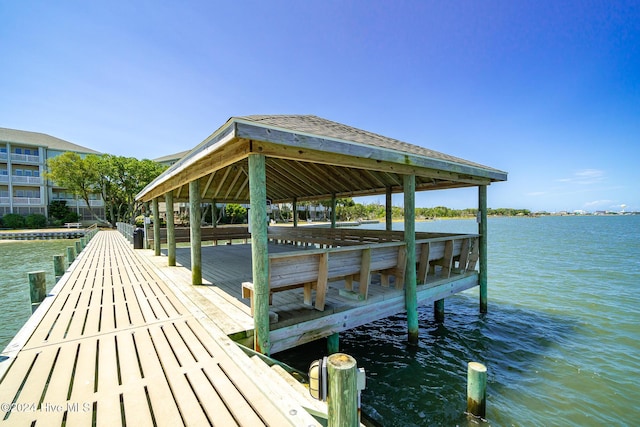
x=114, y=346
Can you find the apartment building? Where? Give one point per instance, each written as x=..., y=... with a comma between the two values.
x=23, y=162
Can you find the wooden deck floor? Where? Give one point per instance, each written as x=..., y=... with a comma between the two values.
x=225, y=267
x=115, y=345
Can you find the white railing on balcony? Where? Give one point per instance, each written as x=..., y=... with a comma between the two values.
x=81, y=203
x=27, y=201
x=4, y=156
x=4, y=178
x=26, y=179
x=25, y=158
x=4, y=200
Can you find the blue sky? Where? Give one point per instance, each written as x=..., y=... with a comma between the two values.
x=548, y=91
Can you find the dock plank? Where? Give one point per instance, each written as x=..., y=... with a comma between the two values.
x=116, y=346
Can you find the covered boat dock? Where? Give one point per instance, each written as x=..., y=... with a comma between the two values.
x=301, y=283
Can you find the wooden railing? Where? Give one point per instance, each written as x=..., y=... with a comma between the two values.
x=334, y=237
x=348, y=258
x=217, y=234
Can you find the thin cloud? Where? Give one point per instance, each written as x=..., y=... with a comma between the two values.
x=585, y=177
x=597, y=203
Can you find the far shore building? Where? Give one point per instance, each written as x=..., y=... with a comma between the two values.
x=23, y=162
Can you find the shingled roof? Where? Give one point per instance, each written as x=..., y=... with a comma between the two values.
x=23, y=137
x=312, y=158
x=314, y=125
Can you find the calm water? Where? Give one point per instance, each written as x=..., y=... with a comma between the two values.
x=17, y=259
x=561, y=340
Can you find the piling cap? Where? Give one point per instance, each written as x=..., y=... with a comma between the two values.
x=478, y=367
x=342, y=361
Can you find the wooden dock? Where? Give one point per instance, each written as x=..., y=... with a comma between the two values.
x=293, y=323
x=115, y=344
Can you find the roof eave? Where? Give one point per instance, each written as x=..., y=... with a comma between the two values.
x=281, y=136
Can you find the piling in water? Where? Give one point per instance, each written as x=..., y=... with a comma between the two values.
x=71, y=254
x=37, y=288
x=477, y=389
x=343, y=391
x=58, y=266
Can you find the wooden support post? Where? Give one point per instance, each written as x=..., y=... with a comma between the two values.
x=156, y=227
x=333, y=211
x=423, y=264
x=71, y=254
x=295, y=211
x=388, y=210
x=196, y=232
x=365, y=273
x=410, y=292
x=259, y=252
x=482, y=231
x=78, y=247
x=438, y=310
x=323, y=281
x=333, y=343
x=58, y=266
x=477, y=389
x=37, y=288
x=342, y=398
x=171, y=230
x=214, y=214
x=146, y=226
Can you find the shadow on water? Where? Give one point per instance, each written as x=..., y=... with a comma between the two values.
x=425, y=385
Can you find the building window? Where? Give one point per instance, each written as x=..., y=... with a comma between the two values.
x=18, y=172
x=18, y=150
x=4, y=172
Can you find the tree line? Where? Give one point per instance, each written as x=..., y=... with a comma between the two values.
x=348, y=210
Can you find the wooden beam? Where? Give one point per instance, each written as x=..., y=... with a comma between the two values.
x=171, y=230
x=411, y=297
x=156, y=227
x=482, y=231
x=388, y=210
x=333, y=211
x=208, y=184
x=259, y=252
x=196, y=232
x=294, y=204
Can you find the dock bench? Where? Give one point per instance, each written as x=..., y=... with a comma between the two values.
x=313, y=269
x=72, y=224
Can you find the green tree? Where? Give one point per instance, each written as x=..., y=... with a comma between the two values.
x=117, y=179
x=235, y=213
x=77, y=174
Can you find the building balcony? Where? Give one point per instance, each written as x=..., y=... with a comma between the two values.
x=4, y=156
x=30, y=201
x=15, y=179
x=4, y=200
x=80, y=203
x=25, y=158
x=4, y=178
